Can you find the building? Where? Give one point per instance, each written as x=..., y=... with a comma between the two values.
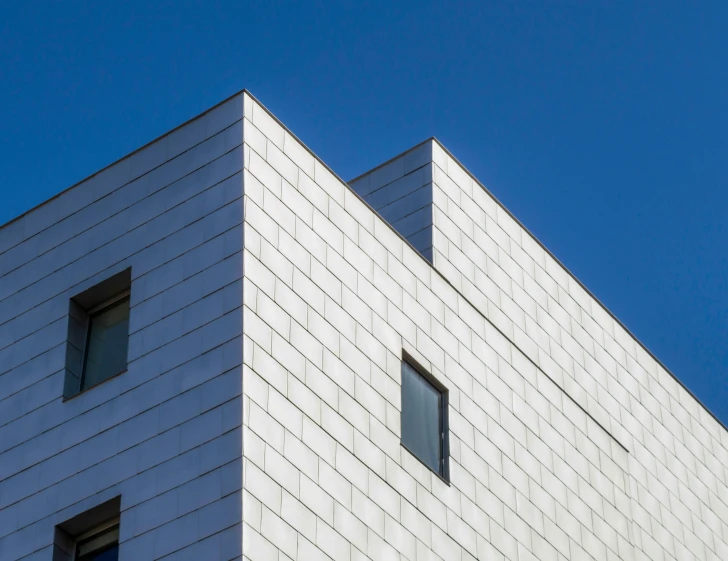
x=216, y=349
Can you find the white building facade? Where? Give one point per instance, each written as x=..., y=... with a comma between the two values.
x=216, y=349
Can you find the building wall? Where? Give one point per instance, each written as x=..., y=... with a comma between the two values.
x=401, y=192
x=568, y=441
x=165, y=434
x=678, y=451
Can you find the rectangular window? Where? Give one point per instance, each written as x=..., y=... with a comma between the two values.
x=98, y=334
x=92, y=535
x=424, y=419
x=107, y=342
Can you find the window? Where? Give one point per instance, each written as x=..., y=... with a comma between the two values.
x=424, y=418
x=101, y=544
x=107, y=341
x=92, y=535
x=98, y=334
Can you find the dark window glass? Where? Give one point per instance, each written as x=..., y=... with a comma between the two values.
x=423, y=419
x=109, y=554
x=107, y=343
x=103, y=546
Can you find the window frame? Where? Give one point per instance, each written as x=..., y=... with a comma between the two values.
x=95, y=531
x=91, y=314
x=444, y=471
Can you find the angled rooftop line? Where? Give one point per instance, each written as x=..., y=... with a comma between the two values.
x=442, y=146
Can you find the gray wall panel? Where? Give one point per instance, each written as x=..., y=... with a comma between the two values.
x=173, y=213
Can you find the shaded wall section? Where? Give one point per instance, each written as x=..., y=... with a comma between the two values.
x=401, y=192
x=165, y=434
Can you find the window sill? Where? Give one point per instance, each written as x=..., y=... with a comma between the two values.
x=70, y=397
x=438, y=475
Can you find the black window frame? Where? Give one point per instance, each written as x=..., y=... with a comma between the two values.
x=444, y=464
x=107, y=527
x=92, y=301
x=93, y=314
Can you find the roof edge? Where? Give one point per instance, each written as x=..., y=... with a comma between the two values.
x=499, y=203
x=397, y=157
x=245, y=91
x=125, y=157
x=581, y=284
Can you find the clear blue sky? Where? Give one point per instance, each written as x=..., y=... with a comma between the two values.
x=601, y=125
